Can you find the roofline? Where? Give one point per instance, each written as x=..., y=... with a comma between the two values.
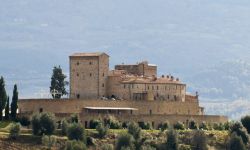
x=100, y=53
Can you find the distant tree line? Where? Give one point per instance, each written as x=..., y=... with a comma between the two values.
x=5, y=102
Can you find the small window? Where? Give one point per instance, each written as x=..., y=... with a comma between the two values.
x=90, y=74
x=150, y=112
x=77, y=74
x=124, y=86
x=148, y=87
x=77, y=63
x=90, y=63
x=103, y=74
x=41, y=110
x=131, y=112
x=103, y=85
x=78, y=96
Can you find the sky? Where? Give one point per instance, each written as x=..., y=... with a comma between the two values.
x=203, y=42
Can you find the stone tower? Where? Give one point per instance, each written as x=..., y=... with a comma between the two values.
x=88, y=75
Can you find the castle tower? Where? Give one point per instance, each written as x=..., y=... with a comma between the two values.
x=88, y=75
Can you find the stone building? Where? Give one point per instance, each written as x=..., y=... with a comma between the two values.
x=129, y=92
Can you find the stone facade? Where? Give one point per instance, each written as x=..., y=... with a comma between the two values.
x=130, y=92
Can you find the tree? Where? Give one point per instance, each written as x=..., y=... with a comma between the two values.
x=199, y=141
x=246, y=123
x=43, y=123
x=236, y=143
x=7, y=109
x=172, y=140
x=76, y=132
x=102, y=130
x=238, y=128
x=3, y=97
x=125, y=141
x=57, y=83
x=14, y=103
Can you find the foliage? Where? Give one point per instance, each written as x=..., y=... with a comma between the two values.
x=199, y=140
x=7, y=109
x=14, y=103
x=74, y=118
x=193, y=125
x=246, y=123
x=218, y=126
x=147, y=148
x=64, y=127
x=48, y=141
x=124, y=141
x=75, y=145
x=145, y=125
x=24, y=121
x=107, y=147
x=179, y=126
x=203, y=126
x=14, y=130
x=93, y=124
x=164, y=126
x=90, y=141
x=58, y=83
x=3, y=97
x=102, y=130
x=134, y=130
x=43, y=123
x=113, y=123
x=35, y=121
x=184, y=147
x=76, y=132
x=227, y=125
x=238, y=128
x=172, y=140
x=236, y=143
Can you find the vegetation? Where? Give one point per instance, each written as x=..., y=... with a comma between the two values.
x=14, y=103
x=76, y=132
x=179, y=126
x=124, y=141
x=199, y=141
x=75, y=145
x=239, y=130
x=112, y=122
x=102, y=130
x=107, y=147
x=193, y=125
x=172, y=140
x=74, y=118
x=14, y=130
x=236, y=143
x=57, y=83
x=43, y=123
x=24, y=121
x=3, y=97
x=164, y=126
x=246, y=123
x=64, y=127
x=48, y=141
x=7, y=109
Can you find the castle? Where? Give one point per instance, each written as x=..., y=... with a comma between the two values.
x=129, y=93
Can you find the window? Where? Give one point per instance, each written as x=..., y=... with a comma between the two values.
x=103, y=85
x=77, y=74
x=90, y=74
x=41, y=110
x=124, y=86
x=90, y=63
x=150, y=112
x=103, y=74
x=78, y=96
x=131, y=112
x=148, y=87
x=168, y=97
x=77, y=63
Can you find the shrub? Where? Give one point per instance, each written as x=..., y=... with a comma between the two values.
x=93, y=124
x=35, y=121
x=227, y=125
x=76, y=132
x=179, y=126
x=219, y=126
x=124, y=141
x=246, y=123
x=199, y=140
x=203, y=126
x=172, y=140
x=134, y=130
x=64, y=127
x=90, y=141
x=238, y=128
x=164, y=126
x=144, y=125
x=74, y=118
x=75, y=145
x=184, y=147
x=107, y=147
x=113, y=123
x=48, y=124
x=193, y=125
x=236, y=143
x=102, y=130
x=147, y=148
x=24, y=121
x=48, y=141
x=14, y=130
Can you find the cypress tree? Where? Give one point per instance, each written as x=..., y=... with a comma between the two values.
x=14, y=103
x=58, y=83
x=3, y=97
x=7, y=109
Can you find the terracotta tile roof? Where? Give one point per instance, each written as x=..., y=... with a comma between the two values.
x=88, y=54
